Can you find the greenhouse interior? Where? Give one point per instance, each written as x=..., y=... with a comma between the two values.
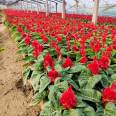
x=58, y=57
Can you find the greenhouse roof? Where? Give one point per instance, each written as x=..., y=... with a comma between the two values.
x=8, y=2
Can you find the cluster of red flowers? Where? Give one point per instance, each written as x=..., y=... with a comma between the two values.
x=109, y=94
x=74, y=35
x=68, y=99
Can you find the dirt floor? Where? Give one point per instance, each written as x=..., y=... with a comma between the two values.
x=14, y=97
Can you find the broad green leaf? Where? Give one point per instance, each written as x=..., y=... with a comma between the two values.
x=88, y=111
x=72, y=112
x=35, y=82
x=110, y=109
x=26, y=74
x=77, y=68
x=92, y=81
x=105, y=81
x=113, y=77
x=38, y=97
x=44, y=82
x=48, y=110
x=100, y=110
x=28, y=59
x=83, y=82
x=90, y=95
x=62, y=86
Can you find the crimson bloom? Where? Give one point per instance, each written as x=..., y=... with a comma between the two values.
x=36, y=53
x=83, y=60
x=94, y=66
x=53, y=74
x=67, y=63
x=74, y=48
x=48, y=61
x=68, y=99
x=95, y=45
x=104, y=62
x=109, y=94
x=38, y=48
x=27, y=39
x=35, y=44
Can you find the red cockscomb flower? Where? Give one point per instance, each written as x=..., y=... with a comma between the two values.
x=94, y=67
x=27, y=39
x=48, y=61
x=38, y=48
x=68, y=99
x=109, y=94
x=67, y=63
x=74, y=48
x=83, y=60
x=104, y=62
x=53, y=74
x=35, y=44
x=36, y=53
x=95, y=45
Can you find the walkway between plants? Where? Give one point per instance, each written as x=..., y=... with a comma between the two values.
x=14, y=98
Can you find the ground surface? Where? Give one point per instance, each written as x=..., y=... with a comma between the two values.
x=14, y=99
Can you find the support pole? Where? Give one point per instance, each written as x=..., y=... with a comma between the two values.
x=63, y=9
x=76, y=7
x=47, y=9
x=95, y=11
x=56, y=7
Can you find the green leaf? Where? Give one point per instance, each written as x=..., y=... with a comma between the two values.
x=113, y=77
x=72, y=112
x=110, y=110
x=100, y=110
x=53, y=96
x=83, y=82
x=48, y=109
x=44, y=82
x=26, y=74
x=77, y=68
x=38, y=97
x=28, y=59
x=35, y=82
x=105, y=81
x=90, y=94
x=88, y=111
x=62, y=86
x=92, y=81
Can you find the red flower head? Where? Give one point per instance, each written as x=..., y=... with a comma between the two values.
x=109, y=94
x=35, y=44
x=53, y=74
x=68, y=45
x=67, y=63
x=74, y=48
x=19, y=29
x=27, y=39
x=114, y=45
x=68, y=99
x=38, y=48
x=83, y=60
x=44, y=38
x=58, y=51
x=48, y=61
x=36, y=53
x=104, y=62
x=53, y=44
x=95, y=45
x=59, y=38
x=94, y=67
